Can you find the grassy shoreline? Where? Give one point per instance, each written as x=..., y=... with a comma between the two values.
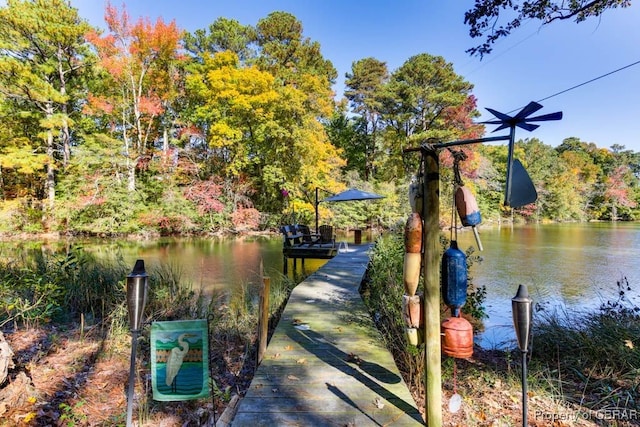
x=584, y=368
x=65, y=318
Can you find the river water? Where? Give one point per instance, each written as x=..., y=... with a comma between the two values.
x=572, y=266
x=566, y=267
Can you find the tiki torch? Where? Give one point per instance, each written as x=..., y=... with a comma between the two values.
x=521, y=308
x=136, y=300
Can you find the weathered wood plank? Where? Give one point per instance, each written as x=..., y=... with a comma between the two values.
x=326, y=364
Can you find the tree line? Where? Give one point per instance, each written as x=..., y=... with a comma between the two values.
x=145, y=128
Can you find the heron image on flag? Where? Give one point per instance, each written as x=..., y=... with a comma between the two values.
x=179, y=360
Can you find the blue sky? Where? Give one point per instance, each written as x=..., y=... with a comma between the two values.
x=533, y=63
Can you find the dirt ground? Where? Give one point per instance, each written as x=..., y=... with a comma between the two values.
x=62, y=378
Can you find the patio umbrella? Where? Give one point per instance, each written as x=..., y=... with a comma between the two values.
x=347, y=195
x=352, y=194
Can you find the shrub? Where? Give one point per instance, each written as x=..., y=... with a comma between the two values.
x=245, y=219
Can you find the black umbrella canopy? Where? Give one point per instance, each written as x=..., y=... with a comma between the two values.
x=352, y=194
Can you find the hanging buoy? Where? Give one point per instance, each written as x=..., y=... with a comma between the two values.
x=412, y=336
x=412, y=256
x=454, y=278
x=412, y=310
x=468, y=211
x=457, y=337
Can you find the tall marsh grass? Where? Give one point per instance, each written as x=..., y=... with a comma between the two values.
x=73, y=290
x=591, y=358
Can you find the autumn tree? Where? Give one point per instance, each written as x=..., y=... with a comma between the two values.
x=424, y=98
x=139, y=62
x=490, y=180
x=583, y=174
x=236, y=107
x=617, y=191
x=22, y=161
x=484, y=19
x=297, y=153
x=42, y=59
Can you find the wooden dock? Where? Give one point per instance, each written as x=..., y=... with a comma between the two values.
x=326, y=363
x=303, y=252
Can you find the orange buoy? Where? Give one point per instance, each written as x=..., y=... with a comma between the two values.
x=413, y=234
x=457, y=337
x=412, y=256
x=412, y=310
x=468, y=211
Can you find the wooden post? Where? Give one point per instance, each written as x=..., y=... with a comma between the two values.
x=431, y=264
x=263, y=323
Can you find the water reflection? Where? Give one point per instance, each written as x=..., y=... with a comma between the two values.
x=570, y=265
x=216, y=264
x=564, y=265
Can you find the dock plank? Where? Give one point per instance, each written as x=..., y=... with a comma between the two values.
x=326, y=363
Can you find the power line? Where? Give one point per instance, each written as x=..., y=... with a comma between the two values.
x=495, y=56
x=590, y=81
x=581, y=84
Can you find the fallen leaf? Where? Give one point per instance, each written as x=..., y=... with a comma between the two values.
x=353, y=358
x=378, y=402
x=293, y=377
x=629, y=344
x=275, y=356
x=288, y=347
x=301, y=361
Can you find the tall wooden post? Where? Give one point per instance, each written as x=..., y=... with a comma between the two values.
x=431, y=263
x=263, y=321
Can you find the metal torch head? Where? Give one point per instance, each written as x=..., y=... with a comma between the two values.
x=136, y=294
x=521, y=306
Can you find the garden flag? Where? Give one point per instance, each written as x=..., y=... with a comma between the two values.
x=179, y=360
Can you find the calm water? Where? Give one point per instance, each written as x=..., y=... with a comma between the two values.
x=213, y=264
x=572, y=265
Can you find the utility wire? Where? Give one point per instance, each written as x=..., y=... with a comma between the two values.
x=495, y=56
x=590, y=81
x=582, y=84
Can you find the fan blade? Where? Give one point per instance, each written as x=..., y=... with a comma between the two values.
x=503, y=126
x=531, y=108
x=499, y=115
x=551, y=116
x=527, y=126
x=493, y=122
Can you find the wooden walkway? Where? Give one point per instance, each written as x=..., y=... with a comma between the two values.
x=326, y=364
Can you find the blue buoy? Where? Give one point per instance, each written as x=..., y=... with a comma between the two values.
x=453, y=273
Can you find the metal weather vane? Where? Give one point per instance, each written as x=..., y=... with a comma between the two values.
x=517, y=177
x=519, y=191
